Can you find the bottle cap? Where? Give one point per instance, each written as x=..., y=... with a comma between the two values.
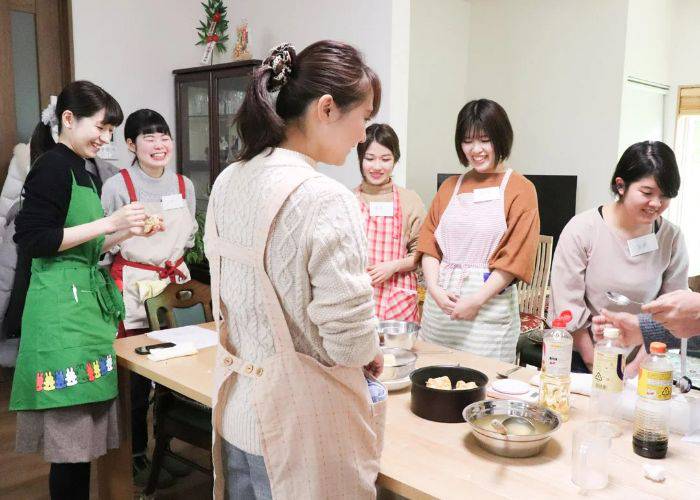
x=562, y=320
x=657, y=348
x=611, y=333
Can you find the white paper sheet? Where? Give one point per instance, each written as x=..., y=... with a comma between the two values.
x=199, y=337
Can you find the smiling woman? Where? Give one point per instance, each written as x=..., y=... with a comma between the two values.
x=481, y=234
x=624, y=246
x=392, y=220
x=64, y=385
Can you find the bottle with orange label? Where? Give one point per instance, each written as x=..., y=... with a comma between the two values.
x=652, y=413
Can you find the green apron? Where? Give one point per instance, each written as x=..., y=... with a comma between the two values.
x=69, y=323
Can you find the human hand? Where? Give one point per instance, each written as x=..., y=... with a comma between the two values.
x=467, y=308
x=127, y=217
x=628, y=324
x=678, y=312
x=381, y=272
x=376, y=366
x=445, y=300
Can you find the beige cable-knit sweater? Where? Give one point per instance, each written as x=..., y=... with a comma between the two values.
x=316, y=258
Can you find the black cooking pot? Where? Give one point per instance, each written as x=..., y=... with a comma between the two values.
x=445, y=406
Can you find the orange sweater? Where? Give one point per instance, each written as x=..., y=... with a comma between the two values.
x=516, y=251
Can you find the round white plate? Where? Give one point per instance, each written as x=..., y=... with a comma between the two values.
x=397, y=385
x=510, y=386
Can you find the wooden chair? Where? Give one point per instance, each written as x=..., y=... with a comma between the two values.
x=694, y=283
x=175, y=415
x=533, y=297
x=533, y=302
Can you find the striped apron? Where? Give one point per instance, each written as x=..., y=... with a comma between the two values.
x=468, y=233
x=397, y=297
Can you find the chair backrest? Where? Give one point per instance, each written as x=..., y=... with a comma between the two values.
x=694, y=283
x=533, y=297
x=180, y=305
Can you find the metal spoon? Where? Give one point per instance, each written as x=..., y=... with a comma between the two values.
x=520, y=421
x=499, y=427
x=621, y=300
x=502, y=426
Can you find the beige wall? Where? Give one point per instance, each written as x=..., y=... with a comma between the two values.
x=437, y=90
x=556, y=66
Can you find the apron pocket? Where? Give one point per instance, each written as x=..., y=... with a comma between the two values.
x=41, y=316
x=82, y=322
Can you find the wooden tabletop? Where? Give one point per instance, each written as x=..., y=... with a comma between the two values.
x=424, y=459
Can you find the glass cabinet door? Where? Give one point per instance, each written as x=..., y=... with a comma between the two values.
x=230, y=94
x=194, y=127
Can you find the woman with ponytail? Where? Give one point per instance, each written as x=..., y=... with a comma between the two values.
x=293, y=414
x=65, y=383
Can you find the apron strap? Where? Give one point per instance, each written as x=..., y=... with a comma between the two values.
x=181, y=185
x=504, y=182
x=457, y=186
x=217, y=248
x=292, y=180
x=398, y=215
x=129, y=185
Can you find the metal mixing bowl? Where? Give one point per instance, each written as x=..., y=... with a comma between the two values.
x=513, y=446
x=398, y=333
x=405, y=364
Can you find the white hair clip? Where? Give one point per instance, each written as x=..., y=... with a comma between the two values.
x=49, y=118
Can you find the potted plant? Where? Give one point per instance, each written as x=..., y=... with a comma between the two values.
x=194, y=257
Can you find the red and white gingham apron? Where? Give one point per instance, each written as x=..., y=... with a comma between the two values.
x=396, y=298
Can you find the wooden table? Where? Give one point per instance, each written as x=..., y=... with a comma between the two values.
x=424, y=459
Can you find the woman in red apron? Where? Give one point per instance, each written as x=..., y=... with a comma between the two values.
x=143, y=268
x=293, y=415
x=393, y=217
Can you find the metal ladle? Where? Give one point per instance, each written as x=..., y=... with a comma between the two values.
x=502, y=426
x=684, y=383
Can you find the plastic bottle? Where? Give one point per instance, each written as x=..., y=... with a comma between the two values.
x=608, y=375
x=555, y=378
x=651, y=416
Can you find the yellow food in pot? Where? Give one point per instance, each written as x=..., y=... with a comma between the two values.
x=445, y=384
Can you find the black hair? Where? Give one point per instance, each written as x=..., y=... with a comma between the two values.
x=648, y=158
x=83, y=99
x=325, y=67
x=484, y=116
x=382, y=134
x=144, y=121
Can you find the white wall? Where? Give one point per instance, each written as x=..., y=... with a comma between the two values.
x=366, y=24
x=131, y=47
x=648, y=40
x=684, y=56
x=437, y=90
x=556, y=66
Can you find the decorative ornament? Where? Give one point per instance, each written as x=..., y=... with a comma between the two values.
x=212, y=31
x=240, y=51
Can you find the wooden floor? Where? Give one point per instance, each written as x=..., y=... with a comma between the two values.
x=26, y=477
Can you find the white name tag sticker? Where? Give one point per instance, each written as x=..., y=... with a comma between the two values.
x=381, y=209
x=643, y=244
x=486, y=194
x=172, y=202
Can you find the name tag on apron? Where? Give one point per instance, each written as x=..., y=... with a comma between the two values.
x=172, y=202
x=643, y=244
x=381, y=209
x=486, y=194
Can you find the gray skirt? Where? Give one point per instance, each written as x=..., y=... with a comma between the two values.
x=72, y=434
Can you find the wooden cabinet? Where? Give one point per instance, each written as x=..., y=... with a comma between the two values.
x=207, y=99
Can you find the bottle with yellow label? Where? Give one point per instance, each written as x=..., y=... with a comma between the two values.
x=650, y=438
x=608, y=374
